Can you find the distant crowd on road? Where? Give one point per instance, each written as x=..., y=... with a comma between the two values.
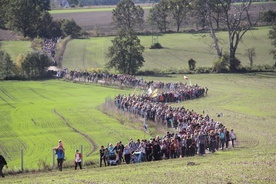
x=49, y=47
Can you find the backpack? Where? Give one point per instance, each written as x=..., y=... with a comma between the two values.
x=221, y=135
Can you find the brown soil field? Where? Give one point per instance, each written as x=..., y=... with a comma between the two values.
x=89, y=20
x=103, y=20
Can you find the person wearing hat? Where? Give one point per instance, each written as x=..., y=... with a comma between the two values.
x=78, y=160
x=2, y=163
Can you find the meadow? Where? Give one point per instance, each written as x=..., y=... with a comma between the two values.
x=83, y=54
x=34, y=115
x=178, y=48
x=15, y=48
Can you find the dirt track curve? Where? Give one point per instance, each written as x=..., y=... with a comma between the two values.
x=95, y=146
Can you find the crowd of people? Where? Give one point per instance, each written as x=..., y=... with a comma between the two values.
x=196, y=139
x=49, y=47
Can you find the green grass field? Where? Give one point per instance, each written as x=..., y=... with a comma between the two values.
x=15, y=48
x=178, y=49
x=34, y=115
x=81, y=54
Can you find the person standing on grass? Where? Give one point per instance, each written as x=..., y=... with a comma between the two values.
x=233, y=137
x=78, y=160
x=222, y=138
x=227, y=138
x=202, y=142
x=60, y=158
x=127, y=154
x=2, y=164
x=103, y=152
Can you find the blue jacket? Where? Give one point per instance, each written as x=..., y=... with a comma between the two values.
x=60, y=154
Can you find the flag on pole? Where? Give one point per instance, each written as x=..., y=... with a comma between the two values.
x=154, y=93
x=185, y=77
x=149, y=90
x=134, y=91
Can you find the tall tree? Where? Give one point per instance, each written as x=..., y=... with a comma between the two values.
x=272, y=36
x=7, y=67
x=70, y=27
x=35, y=64
x=3, y=9
x=159, y=14
x=23, y=15
x=237, y=21
x=126, y=53
x=200, y=12
x=178, y=10
x=127, y=16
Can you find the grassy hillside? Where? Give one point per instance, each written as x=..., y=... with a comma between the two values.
x=35, y=115
x=178, y=49
x=31, y=118
x=81, y=54
x=15, y=48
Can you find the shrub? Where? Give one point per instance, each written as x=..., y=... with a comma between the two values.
x=156, y=46
x=203, y=70
x=222, y=64
x=192, y=64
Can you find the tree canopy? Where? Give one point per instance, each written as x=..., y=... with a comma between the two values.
x=127, y=16
x=126, y=53
x=35, y=64
x=272, y=36
x=24, y=16
x=159, y=15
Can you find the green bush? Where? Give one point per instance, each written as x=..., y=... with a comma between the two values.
x=203, y=70
x=156, y=46
x=192, y=64
x=221, y=65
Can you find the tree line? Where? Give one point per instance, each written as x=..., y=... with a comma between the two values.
x=212, y=16
x=31, y=19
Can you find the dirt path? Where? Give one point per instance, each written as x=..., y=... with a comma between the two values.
x=95, y=146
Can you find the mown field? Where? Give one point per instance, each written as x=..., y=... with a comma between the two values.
x=82, y=54
x=34, y=115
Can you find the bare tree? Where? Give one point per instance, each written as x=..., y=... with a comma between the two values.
x=237, y=20
x=251, y=54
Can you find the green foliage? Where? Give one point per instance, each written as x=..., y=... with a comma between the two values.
x=35, y=65
x=192, y=64
x=156, y=46
x=7, y=67
x=178, y=10
x=269, y=16
x=222, y=64
x=70, y=28
x=203, y=69
x=272, y=36
x=17, y=19
x=127, y=15
x=159, y=14
x=126, y=53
